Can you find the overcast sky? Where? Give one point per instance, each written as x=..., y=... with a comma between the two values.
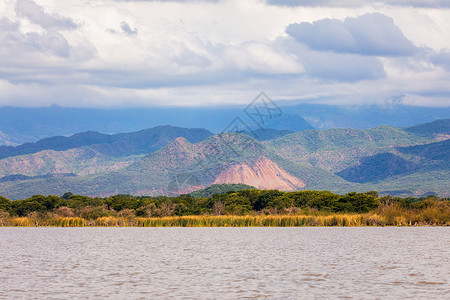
x=115, y=53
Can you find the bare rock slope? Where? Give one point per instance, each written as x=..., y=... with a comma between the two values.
x=263, y=174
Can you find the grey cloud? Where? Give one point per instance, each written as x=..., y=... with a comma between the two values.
x=353, y=3
x=441, y=58
x=14, y=43
x=8, y=25
x=127, y=29
x=370, y=34
x=36, y=14
x=49, y=42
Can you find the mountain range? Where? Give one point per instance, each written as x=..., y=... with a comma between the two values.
x=168, y=160
x=21, y=125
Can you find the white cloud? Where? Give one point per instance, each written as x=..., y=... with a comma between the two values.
x=352, y=3
x=131, y=53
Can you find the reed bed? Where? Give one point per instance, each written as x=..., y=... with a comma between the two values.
x=258, y=221
x=70, y=222
x=369, y=219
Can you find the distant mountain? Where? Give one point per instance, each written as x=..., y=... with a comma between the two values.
x=32, y=124
x=267, y=133
x=377, y=167
x=366, y=116
x=58, y=143
x=141, y=142
x=14, y=139
x=384, y=158
x=291, y=122
x=22, y=125
x=439, y=129
x=89, y=152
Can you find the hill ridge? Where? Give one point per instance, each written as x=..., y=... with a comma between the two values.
x=312, y=156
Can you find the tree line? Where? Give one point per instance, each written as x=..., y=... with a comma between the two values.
x=243, y=202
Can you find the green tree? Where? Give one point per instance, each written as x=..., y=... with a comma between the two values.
x=264, y=198
x=5, y=204
x=356, y=202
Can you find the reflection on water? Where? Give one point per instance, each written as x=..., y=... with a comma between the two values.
x=224, y=263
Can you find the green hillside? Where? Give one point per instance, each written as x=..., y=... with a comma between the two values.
x=385, y=159
x=432, y=129
x=377, y=167
x=439, y=151
x=152, y=174
x=337, y=149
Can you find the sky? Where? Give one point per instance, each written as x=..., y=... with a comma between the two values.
x=118, y=53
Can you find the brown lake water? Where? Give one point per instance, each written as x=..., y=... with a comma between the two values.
x=225, y=263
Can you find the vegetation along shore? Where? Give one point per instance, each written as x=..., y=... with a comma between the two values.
x=247, y=207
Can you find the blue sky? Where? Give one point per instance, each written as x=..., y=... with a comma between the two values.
x=115, y=53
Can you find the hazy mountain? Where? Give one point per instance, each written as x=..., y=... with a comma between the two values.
x=267, y=133
x=31, y=124
x=141, y=142
x=38, y=123
x=366, y=116
x=14, y=139
x=291, y=122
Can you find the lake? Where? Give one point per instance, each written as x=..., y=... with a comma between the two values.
x=225, y=263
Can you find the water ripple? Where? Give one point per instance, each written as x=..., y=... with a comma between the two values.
x=224, y=263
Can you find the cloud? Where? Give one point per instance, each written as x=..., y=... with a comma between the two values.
x=341, y=67
x=36, y=14
x=48, y=42
x=426, y=100
x=127, y=29
x=356, y=3
x=441, y=58
x=19, y=45
x=260, y=58
x=143, y=53
x=370, y=34
x=7, y=25
x=181, y=1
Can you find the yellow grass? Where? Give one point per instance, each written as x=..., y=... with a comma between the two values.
x=261, y=221
x=389, y=217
